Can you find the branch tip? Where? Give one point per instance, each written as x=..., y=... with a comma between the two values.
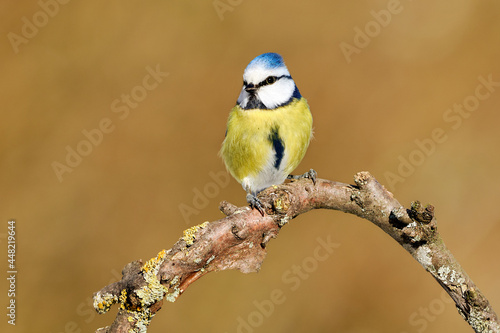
x=362, y=178
x=227, y=208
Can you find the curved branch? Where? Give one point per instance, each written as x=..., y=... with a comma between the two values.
x=239, y=241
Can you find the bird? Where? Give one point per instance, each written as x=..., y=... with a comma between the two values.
x=268, y=130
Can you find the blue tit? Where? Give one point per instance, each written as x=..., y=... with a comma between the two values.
x=269, y=129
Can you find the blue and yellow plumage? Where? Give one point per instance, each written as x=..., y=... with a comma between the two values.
x=269, y=129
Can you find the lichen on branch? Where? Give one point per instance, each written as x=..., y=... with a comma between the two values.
x=239, y=241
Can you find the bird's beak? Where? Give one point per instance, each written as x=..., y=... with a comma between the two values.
x=250, y=88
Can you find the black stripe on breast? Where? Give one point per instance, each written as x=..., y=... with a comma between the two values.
x=278, y=145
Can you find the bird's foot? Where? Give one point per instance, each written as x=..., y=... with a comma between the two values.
x=311, y=174
x=255, y=203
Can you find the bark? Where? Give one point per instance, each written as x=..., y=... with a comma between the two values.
x=239, y=241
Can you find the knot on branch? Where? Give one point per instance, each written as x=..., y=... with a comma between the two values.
x=238, y=230
x=360, y=195
x=420, y=213
x=281, y=201
x=423, y=229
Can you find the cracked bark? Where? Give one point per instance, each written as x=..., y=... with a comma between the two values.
x=239, y=240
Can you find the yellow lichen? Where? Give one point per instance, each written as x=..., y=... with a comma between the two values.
x=153, y=263
x=103, y=302
x=172, y=297
x=153, y=290
x=142, y=320
x=123, y=298
x=176, y=291
x=174, y=281
x=149, y=294
x=188, y=235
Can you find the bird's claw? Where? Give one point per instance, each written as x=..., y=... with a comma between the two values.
x=255, y=203
x=311, y=174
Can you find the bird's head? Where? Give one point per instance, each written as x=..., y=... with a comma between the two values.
x=267, y=84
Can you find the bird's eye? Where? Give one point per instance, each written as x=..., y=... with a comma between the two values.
x=270, y=79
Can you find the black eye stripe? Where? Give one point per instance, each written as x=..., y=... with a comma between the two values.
x=265, y=83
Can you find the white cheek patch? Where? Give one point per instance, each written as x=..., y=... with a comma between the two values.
x=276, y=94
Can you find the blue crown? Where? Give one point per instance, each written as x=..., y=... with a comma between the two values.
x=268, y=60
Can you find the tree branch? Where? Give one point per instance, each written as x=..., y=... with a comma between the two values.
x=239, y=241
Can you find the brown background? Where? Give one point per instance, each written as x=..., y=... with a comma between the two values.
x=122, y=202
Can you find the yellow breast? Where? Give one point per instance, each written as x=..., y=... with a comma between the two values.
x=247, y=149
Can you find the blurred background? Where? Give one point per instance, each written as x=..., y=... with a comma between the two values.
x=114, y=112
